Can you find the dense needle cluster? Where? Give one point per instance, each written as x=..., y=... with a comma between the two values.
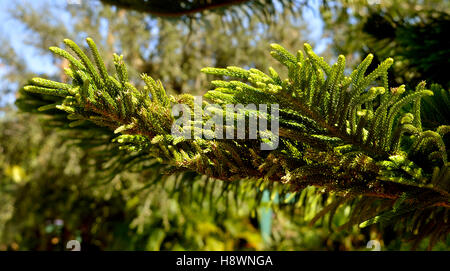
x=346, y=133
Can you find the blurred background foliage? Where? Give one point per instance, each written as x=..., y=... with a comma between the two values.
x=53, y=190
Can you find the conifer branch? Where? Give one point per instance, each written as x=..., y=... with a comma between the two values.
x=341, y=133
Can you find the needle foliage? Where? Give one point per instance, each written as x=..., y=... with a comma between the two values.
x=347, y=133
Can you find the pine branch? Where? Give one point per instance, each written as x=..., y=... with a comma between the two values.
x=341, y=133
x=173, y=9
x=189, y=8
